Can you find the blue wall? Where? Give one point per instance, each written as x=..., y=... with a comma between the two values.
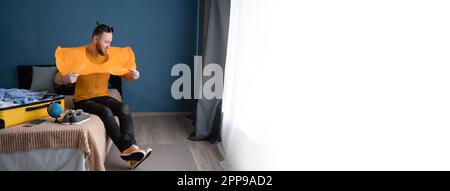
x=162, y=33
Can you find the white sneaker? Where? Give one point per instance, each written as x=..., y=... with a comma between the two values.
x=75, y=117
x=68, y=117
x=79, y=117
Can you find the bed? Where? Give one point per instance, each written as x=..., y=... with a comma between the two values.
x=51, y=146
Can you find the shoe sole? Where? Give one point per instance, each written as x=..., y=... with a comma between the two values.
x=138, y=163
x=133, y=156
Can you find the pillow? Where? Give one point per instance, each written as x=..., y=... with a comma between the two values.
x=43, y=78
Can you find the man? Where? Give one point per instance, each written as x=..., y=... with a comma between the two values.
x=91, y=95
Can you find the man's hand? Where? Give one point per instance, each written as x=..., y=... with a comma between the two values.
x=132, y=74
x=71, y=78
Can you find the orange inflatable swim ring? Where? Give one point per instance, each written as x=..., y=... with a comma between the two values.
x=119, y=61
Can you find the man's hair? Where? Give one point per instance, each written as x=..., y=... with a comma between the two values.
x=101, y=28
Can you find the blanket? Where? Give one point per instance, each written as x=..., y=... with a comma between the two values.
x=90, y=137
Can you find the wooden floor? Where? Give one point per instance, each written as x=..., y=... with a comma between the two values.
x=167, y=136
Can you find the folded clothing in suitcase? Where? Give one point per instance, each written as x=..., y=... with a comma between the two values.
x=17, y=114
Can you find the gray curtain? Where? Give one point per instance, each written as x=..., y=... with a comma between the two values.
x=214, y=21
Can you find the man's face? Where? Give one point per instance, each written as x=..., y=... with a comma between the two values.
x=103, y=42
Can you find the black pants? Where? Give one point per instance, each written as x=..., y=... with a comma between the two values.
x=106, y=108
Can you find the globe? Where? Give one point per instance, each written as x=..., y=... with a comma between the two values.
x=54, y=110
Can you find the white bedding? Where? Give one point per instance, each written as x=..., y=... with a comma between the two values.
x=44, y=160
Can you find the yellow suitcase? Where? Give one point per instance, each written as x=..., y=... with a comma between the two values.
x=18, y=114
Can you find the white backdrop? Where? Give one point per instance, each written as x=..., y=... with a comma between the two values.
x=338, y=85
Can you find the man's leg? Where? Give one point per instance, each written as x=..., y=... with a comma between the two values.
x=122, y=111
x=107, y=116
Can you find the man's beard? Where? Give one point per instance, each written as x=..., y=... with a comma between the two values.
x=100, y=50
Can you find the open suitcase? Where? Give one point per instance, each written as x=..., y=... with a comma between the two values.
x=18, y=114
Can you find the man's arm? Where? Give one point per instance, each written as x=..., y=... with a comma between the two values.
x=58, y=79
x=131, y=75
x=127, y=76
x=69, y=78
